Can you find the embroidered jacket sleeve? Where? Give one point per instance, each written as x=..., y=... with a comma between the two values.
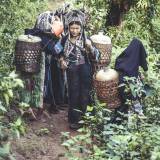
x=59, y=47
x=48, y=40
x=94, y=53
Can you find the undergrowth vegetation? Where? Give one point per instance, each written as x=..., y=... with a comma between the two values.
x=15, y=15
x=133, y=137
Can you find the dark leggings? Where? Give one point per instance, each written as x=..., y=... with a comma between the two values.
x=79, y=86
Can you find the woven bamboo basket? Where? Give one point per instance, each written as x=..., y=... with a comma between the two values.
x=105, y=50
x=105, y=58
x=96, y=66
x=104, y=45
x=28, y=54
x=107, y=92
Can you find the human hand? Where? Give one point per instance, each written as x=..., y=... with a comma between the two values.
x=57, y=26
x=63, y=64
x=88, y=44
x=78, y=56
x=56, y=18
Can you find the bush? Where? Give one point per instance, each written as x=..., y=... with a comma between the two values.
x=15, y=15
x=135, y=137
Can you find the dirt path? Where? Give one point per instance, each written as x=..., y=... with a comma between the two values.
x=43, y=139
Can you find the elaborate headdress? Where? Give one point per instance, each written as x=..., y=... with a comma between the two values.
x=75, y=16
x=44, y=21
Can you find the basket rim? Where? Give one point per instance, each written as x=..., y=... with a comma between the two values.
x=94, y=78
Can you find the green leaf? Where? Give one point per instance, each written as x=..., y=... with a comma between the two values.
x=6, y=97
x=2, y=108
x=13, y=75
x=10, y=93
x=18, y=122
x=90, y=108
x=5, y=150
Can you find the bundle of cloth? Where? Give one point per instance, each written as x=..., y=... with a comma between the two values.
x=127, y=64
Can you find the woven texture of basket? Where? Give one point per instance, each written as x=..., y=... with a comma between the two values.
x=96, y=66
x=105, y=50
x=105, y=58
x=107, y=92
x=104, y=45
x=27, y=56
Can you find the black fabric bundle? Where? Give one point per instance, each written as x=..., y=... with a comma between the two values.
x=127, y=64
x=133, y=57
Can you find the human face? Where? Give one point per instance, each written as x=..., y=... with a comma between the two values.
x=75, y=30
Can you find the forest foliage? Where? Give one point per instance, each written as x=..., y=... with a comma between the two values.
x=15, y=15
x=135, y=137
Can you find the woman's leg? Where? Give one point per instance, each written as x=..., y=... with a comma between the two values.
x=73, y=91
x=85, y=86
x=57, y=82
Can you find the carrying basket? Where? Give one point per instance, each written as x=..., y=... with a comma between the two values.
x=107, y=92
x=105, y=50
x=104, y=45
x=28, y=53
x=96, y=66
x=105, y=58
